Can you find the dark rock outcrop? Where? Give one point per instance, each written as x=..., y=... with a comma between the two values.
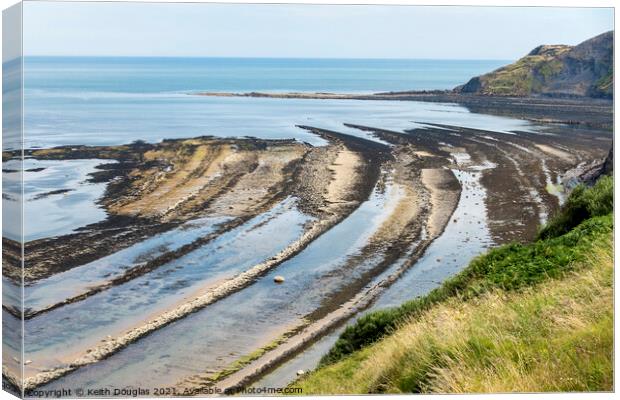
x=608, y=164
x=588, y=174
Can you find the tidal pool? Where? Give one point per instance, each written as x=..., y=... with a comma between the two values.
x=465, y=236
x=57, y=196
x=75, y=281
x=216, y=336
x=55, y=337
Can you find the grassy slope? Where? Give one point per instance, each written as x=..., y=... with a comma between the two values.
x=520, y=318
x=582, y=70
x=526, y=76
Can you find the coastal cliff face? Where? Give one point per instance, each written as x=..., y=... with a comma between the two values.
x=585, y=70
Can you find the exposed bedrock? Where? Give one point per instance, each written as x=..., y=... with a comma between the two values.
x=427, y=195
x=161, y=186
x=521, y=175
x=344, y=174
x=153, y=188
x=524, y=184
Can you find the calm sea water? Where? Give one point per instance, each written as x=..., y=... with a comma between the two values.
x=117, y=100
x=106, y=101
x=157, y=75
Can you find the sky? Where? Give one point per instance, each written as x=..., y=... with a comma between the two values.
x=11, y=27
x=255, y=30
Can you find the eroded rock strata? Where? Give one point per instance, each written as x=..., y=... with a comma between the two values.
x=152, y=188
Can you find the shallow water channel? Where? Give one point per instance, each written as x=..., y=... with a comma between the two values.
x=465, y=236
x=251, y=318
x=54, y=338
x=77, y=280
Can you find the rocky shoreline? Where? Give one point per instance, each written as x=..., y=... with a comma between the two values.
x=588, y=112
x=153, y=188
x=352, y=186
x=501, y=160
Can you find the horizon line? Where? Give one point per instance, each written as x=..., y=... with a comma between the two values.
x=266, y=57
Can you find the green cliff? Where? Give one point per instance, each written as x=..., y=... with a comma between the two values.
x=553, y=70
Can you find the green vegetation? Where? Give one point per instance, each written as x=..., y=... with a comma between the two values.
x=604, y=87
x=527, y=75
x=582, y=205
x=535, y=317
x=582, y=70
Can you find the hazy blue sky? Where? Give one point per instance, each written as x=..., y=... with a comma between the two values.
x=155, y=29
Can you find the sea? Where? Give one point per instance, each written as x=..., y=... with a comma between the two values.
x=116, y=100
x=183, y=75
x=119, y=100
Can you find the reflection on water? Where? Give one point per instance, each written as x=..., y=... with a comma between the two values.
x=57, y=197
x=11, y=343
x=84, y=323
x=77, y=280
x=242, y=322
x=466, y=236
x=305, y=361
x=12, y=114
x=58, y=118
